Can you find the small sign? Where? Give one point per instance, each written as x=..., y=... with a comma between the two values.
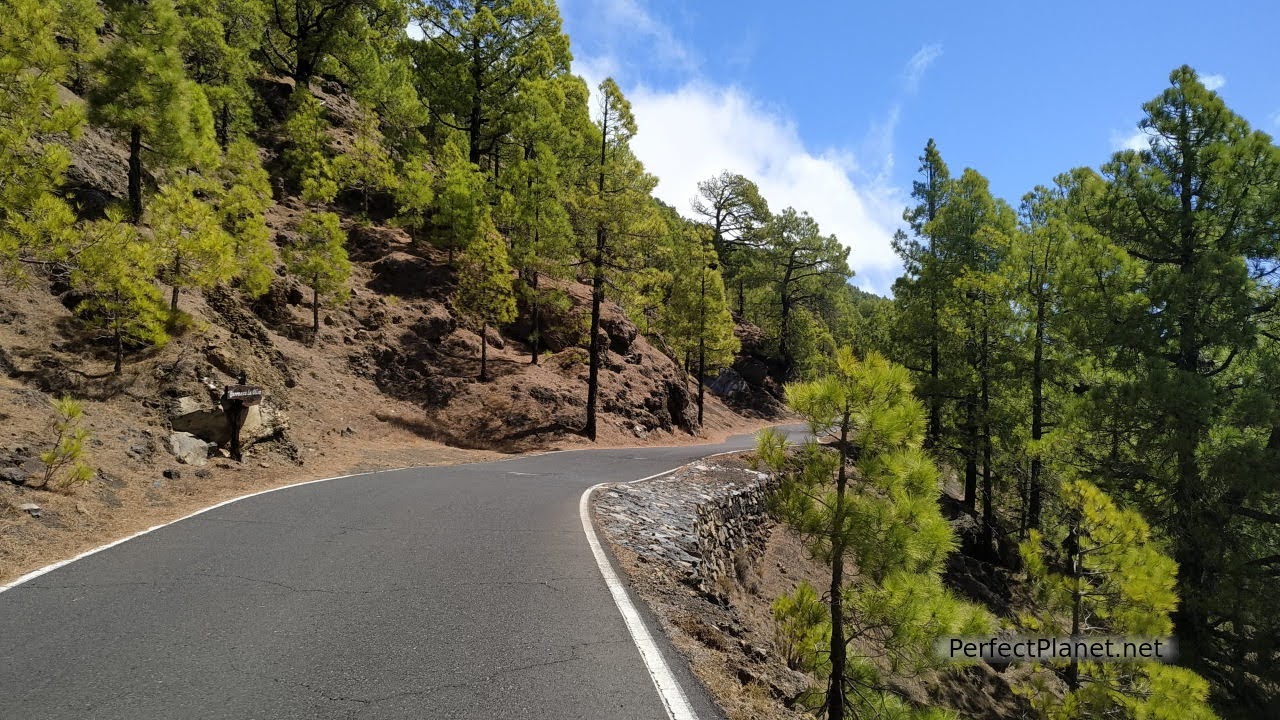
x=246, y=394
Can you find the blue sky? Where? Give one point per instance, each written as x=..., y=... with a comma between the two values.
x=827, y=105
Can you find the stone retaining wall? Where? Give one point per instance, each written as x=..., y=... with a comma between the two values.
x=731, y=530
x=708, y=521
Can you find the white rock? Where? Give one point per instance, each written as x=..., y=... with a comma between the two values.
x=188, y=448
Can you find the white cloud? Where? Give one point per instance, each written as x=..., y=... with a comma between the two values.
x=627, y=24
x=918, y=63
x=1214, y=82
x=1136, y=140
x=699, y=130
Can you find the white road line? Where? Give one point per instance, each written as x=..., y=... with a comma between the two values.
x=50, y=568
x=673, y=697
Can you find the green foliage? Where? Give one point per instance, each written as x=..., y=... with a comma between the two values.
x=477, y=59
x=141, y=89
x=737, y=213
x=462, y=210
x=64, y=464
x=485, y=291
x=307, y=155
x=1181, y=316
x=242, y=200
x=366, y=168
x=34, y=221
x=77, y=27
x=1102, y=564
x=344, y=38
x=194, y=248
x=114, y=272
x=803, y=629
x=218, y=50
x=803, y=268
x=694, y=316
x=415, y=191
x=319, y=259
x=868, y=500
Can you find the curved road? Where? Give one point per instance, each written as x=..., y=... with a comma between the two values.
x=467, y=591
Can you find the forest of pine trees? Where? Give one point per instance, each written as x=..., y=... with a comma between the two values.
x=1115, y=333
x=1118, y=331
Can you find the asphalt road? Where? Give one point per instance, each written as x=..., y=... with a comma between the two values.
x=447, y=592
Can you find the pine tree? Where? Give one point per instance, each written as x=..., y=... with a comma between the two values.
x=550, y=129
x=618, y=209
x=77, y=29
x=189, y=238
x=803, y=265
x=867, y=499
x=219, y=47
x=737, y=213
x=305, y=37
x=64, y=463
x=319, y=259
x=475, y=60
x=242, y=201
x=415, y=192
x=1194, y=212
x=1099, y=571
x=926, y=280
x=695, y=317
x=968, y=230
x=462, y=209
x=34, y=221
x=307, y=154
x=143, y=91
x=485, y=291
x=115, y=273
x=367, y=168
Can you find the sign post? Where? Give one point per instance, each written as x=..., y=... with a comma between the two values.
x=236, y=401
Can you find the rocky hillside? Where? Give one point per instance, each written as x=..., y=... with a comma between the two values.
x=392, y=372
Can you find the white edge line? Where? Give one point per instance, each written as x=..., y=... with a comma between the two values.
x=61, y=563
x=673, y=697
x=674, y=700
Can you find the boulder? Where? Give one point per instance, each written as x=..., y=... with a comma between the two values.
x=262, y=422
x=188, y=448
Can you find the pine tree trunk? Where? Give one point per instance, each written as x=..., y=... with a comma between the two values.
x=484, y=352
x=594, y=351
x=135, y=174
x=315, y=313
x=702, y=369
x=1076, y=559
x=1037, y=418
x=838, y=648
x=971, y=455
x=784, y=324
x=119, y=336
x=934, y=434
x=224, y=126
x=988, y=472
x=597, y=290
x=535, y=320
x=177, y=272
x=702, y=342
x=474, y=120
